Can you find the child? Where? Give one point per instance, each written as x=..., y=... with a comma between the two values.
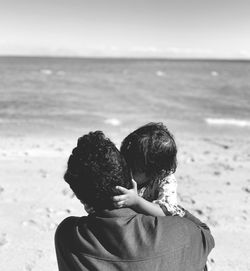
x=150, y=152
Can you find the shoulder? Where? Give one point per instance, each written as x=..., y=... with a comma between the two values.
x=174, y=221
x=69, y=221
x=167, y=233
x=177, y=226
x=167, y=225
x=66, y=226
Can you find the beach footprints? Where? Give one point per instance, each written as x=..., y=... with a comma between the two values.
x=68, y=193
x=32, y=264
x=1, y=190
x=45, y=219
x=39, y=225
x=187, y=199
x=29, y=266
x=38, y=222
x=3, y=240
x=246, y=189
x=35, y=224
x=43, y=173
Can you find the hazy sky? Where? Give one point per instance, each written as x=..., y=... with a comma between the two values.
x=164, y=28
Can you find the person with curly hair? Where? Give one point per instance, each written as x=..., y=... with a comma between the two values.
x=150, y=152
x=95, y=167
x=112, y=239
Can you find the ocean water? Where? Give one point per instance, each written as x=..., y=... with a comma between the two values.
x=61, y=95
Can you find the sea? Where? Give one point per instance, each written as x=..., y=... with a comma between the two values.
x=54, y=96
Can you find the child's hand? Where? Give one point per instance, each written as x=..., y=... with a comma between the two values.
x=129, y=197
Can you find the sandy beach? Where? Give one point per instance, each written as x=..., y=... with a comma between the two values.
x=214, y=184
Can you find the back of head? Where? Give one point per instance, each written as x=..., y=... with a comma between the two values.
x=95, y=168
x=150, y=149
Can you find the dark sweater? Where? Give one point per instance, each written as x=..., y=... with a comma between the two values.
x=124, y=240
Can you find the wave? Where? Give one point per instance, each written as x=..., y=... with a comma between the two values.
x=113, y=122
x=230, y=122
x=46, y=71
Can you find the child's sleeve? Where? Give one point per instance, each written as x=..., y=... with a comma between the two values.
x=167, y=196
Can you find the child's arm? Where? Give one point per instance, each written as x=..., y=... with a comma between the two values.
x=130, y=198
x=166, y=204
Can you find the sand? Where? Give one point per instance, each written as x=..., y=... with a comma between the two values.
x=214, y=184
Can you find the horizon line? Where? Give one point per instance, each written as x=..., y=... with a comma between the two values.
x=130, y=58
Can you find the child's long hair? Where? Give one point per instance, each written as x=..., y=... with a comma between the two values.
x=151, y=149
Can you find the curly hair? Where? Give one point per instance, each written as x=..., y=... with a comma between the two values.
x=95, y=168
x=151, y=149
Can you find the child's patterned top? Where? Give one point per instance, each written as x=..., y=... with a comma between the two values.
x=164, y=193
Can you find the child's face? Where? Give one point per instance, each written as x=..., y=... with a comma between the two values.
x=140, y=178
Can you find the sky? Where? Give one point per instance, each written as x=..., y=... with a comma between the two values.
x=126, y=28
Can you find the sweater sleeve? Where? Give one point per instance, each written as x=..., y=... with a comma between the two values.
x=195, y=220
x=202, y=241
